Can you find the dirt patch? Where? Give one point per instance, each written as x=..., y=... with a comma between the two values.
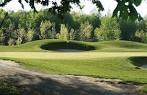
x=34, y=83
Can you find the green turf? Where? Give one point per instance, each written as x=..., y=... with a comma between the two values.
x=120, y=68
x=107, y=46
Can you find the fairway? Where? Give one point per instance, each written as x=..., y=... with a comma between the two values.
x=69, y=55
x=111, y=59
x=73, y=47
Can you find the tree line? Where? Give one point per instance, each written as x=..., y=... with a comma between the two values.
x=21, y=27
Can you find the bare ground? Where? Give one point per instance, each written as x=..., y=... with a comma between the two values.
x=34, y=83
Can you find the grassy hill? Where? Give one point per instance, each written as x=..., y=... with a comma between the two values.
x=108, y=46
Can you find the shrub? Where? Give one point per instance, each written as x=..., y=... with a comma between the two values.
x=109, y=29
x=85, y=32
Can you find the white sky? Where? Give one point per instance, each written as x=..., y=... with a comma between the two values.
x=109, y=6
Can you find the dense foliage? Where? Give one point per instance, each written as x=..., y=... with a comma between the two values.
x=21, y=27
x=109, y=29
x=125, y=9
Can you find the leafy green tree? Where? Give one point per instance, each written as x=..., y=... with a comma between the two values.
x=128, y=29
x=85, y=32
x=11, y=42
x=1, y=36
x=3, y=16
x=30, y=35
x=125, y=9
x=109, y=29
x=141, y=36
x=45, y=29
x=64, y=34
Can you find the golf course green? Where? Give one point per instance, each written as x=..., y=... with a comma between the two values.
x=123, y=60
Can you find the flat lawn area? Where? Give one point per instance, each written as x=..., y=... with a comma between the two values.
x=120, y=68
x=69, y=55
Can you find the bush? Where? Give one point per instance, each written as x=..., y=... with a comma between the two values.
x=85, y=32
x=109, y=29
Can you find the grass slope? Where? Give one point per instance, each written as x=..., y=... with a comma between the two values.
x=111, y=59
x=120, y=68
x=107, y=46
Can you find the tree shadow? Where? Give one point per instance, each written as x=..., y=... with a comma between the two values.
x=38, y=85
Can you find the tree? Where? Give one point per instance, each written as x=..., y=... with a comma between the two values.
x=45, y=30
x=86, y=31
x=125, y=9
x=128, y=29
x=64, y=34
x=109, y=29
x=2, y=17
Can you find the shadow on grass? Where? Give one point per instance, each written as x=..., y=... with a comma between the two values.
x=7, y=88
x=36, y=85
x=139, y=61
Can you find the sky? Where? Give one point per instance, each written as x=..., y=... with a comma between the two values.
x=109, y=6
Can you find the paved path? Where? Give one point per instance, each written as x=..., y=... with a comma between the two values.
x=34, y=83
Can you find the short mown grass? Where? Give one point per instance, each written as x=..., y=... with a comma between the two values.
x=106, y=46
x=119, y=68
x=108, y=59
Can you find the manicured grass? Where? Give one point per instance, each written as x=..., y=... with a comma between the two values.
x=105, y=46
x=108, y=59
x=120, y=68
x=69, y=55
